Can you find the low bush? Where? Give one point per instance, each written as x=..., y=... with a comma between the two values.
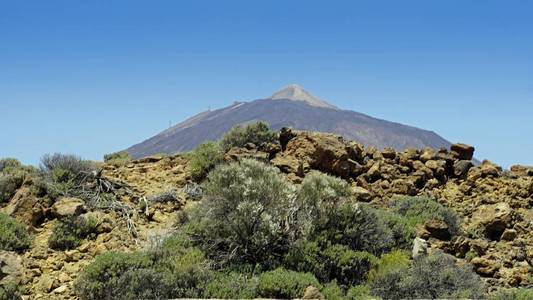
x=246, y=215
x=63, y=173
x=69, y=232
x=204, y=158
x=285, y=284
x=358, y=292
x=168, y=195
x=106, y=277
x=332, y=291
x=332, y=263
x=431, y=277
x=358, y=227
x=420, y=209
x=194, y=191
x=256, y=133
x=403, y=231
x=7, y=165
x=395, y=260
x=65, y=166
x=9, y=184
x=186, y=272
x=10, y=291
x=117, y=158
x=12, y=176
x=13, y=235
x=231, y=285
x=168, y=270
x=513, y=294
x=317, y=196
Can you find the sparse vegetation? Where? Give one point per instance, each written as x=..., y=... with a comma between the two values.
x=117, y=158
x=204, y=158
x=64, y=173
x=285, y=284
x=10, y=291
x=9, y=185
x=168, y=195
x=12, y=176
x=513, y=294
x=232, y=285
x=254, y=234
x=431, y=277
x=418, y=210
x=256, y=133
x=13, y=235
x=69, y=232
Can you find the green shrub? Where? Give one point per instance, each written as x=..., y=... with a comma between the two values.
x=65, y=166
x=117, y=158
x=12, y=176
x=204, y=158
x=246, y=215
x=257, y=133
x=186, y=273
x=107, y=277
x=10, y=291
x=513, y=294
x=13, y=235
x=166, y=272
x=357, y=226
x=332, y=291
x=431, y=277
x=395, y=260
x=285, y=284
x=8, y=165
x=168, y=195
x=9, y=184
x=420, y=209
x=231, y=286
x=63, y=173
x=403, y=231
x=358, y=292
x=337, y=262
x=69, y=232
x=318, y=195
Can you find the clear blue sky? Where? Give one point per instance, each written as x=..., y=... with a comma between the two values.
x=92, y=77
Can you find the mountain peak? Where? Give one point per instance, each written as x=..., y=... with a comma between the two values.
x=295, y=92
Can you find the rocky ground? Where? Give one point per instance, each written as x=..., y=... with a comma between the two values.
x=495, y=206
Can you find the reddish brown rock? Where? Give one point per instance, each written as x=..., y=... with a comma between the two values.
x=463, y=151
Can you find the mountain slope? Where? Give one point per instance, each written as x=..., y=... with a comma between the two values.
x=290, y=107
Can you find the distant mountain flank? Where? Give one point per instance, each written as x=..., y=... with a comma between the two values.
x=292, y=106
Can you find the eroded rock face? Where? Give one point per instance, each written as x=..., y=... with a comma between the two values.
x=25, y=207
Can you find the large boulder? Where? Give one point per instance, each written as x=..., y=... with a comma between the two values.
x=484, y=266
x=493, y=219
x=436, y=229
x=361, y=194
x=325, y=152
x=463, y=151
x=420, y=247
x=488, y=168
x=68, y=207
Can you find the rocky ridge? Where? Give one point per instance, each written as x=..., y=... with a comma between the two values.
x=495, y=206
